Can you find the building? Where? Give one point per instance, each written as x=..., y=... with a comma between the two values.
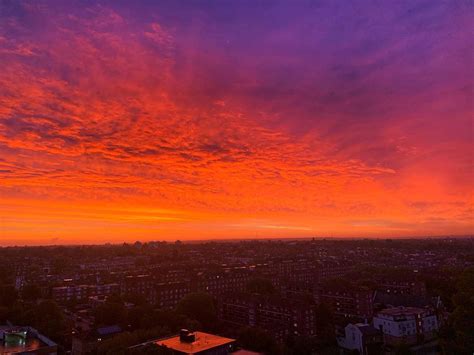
x=168, y=294
x=411, y=288
x=406, y=325
x=329, y=271
x=25, y=340
x=139, y=285
x=111, y=264
x=63, y=294
x=349, y=304
x=195, y=343
x=279, y=316
x=223, y=282
x=364, y=338
x=402, y=293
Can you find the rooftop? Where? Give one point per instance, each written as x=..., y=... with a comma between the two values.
x=14, y=340
x=112, y=329
x=204, y=341
x=367, y=329
x=402, y=311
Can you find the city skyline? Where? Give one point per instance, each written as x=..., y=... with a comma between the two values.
x=210, y=120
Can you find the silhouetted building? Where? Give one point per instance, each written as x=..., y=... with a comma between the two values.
x=83, y=292
x=139, y=285
x=168, y=294
x=280, y=317
x=349, y=305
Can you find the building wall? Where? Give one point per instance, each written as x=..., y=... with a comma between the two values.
x=279, y=318
x=411, y=329
x=357, y=304
x=396, y=328
x=353, y=338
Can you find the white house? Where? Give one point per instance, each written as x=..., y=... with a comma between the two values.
x=406, y=325
x=362, y=337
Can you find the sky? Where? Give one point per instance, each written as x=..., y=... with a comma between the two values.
x=165, y=120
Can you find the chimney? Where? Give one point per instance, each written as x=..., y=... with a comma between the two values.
x=185, y=336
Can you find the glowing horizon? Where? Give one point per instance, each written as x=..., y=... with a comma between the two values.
x=205, y=120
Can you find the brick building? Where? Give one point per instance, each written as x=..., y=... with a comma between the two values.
x=279, y=316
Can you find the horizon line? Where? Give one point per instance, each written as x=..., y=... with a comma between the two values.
x=235, y=240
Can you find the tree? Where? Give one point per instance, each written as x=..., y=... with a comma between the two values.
x=200, y=307
x=299, y=345
x=463, y=315
x=30, y=292
x=325, y=323
x=60, y=264
x=47, y=317
x=111, y=312
x=120, y=343
x=141, y=317
x=4, y=314
x=8, y=295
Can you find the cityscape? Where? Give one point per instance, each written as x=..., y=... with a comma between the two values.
x=315, y=296
x=236, y=177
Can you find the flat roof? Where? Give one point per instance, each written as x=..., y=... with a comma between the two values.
x=204, y=341
x=367, y=329
x=402, y=311
x=18, y=345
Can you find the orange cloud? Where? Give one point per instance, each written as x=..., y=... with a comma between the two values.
x=105, y=135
